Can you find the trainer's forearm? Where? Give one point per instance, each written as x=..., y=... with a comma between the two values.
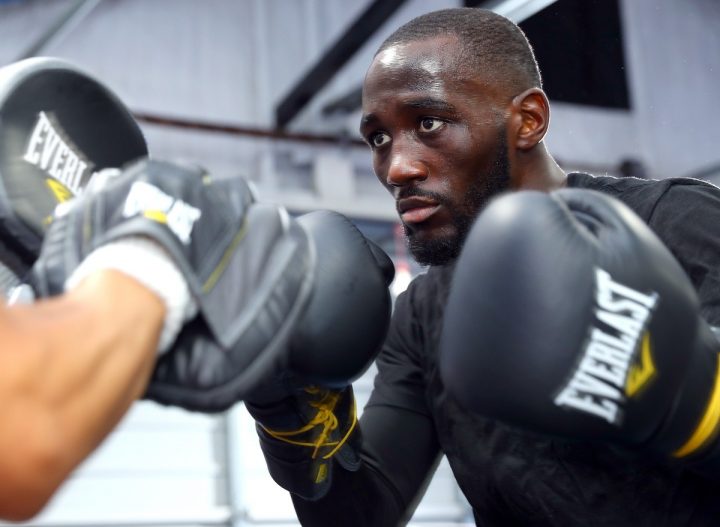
x=69, y=369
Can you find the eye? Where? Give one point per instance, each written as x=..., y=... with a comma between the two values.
x=378, y=139
x=430, y=124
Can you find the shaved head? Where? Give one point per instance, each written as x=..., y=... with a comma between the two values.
x=491, y=45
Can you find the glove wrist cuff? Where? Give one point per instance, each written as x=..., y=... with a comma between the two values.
x=148, y=263
x=325, y=433
x=321, y=430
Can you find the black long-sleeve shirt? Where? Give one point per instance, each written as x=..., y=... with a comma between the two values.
x=509, y=476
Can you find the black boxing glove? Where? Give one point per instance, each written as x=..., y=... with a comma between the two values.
x=319, y=277
x=567, y=315
x=345, y=323
x=58, y=127
x=305, y=410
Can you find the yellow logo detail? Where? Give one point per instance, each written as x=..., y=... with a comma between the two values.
x=61, y=192
x=321, y=473
x=642, y=371
x=156, y=215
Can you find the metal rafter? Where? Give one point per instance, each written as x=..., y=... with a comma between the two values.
x=515, y=10
x=63, y=25
x=334, y=58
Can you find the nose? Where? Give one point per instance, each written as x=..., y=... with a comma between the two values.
x=405, y=168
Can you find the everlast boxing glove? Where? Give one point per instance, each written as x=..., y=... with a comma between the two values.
x=247, y=267
x=343, y=293
x=567, y=315
x=306, y=410
x=58, y=127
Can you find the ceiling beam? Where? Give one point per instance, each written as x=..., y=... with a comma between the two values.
x=344, y=104
x=247, y=131
x=61, y=27
x=374, y=16
x=515, y=10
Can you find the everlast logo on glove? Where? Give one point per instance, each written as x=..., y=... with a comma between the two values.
x=616, y=361
x=148, y=200
x=51, y=150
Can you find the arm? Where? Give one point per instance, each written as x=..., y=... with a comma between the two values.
x=69, y=369
x=140, y=253
x=399, y=456
x=399, y=451
x=629, y=361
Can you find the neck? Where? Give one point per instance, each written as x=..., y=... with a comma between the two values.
x=537, y=170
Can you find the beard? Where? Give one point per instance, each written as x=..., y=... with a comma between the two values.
x=443, y=250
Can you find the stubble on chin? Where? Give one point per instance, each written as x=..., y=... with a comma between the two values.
x=438, y=251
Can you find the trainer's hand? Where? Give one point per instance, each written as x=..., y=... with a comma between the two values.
x=162, y=224
x=569, y=316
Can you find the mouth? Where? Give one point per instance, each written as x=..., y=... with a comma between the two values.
x=416, y=209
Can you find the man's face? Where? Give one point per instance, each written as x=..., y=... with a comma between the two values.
x=437, y=135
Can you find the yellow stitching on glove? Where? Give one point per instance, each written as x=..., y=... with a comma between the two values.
x=324, y=417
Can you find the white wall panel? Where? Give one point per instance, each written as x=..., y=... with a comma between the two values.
x=22, y=23
x=592, y=137
x=176, y=57
x=674, y=65
x=672, y=52
x=161, y=465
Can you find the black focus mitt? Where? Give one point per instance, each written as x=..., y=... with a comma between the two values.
x=58, y=127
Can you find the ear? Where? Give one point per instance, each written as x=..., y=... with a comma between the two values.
x=530, y=118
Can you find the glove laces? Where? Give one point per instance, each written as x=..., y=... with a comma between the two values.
x=324, y=417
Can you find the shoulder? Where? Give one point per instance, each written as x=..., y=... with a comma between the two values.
x=649, y=196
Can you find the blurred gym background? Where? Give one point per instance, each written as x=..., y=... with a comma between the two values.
x=270, y=90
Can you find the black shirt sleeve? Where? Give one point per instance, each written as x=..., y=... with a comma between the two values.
x=399, y=445
x=685, y=214
x=687, y=219
x=400, y=380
